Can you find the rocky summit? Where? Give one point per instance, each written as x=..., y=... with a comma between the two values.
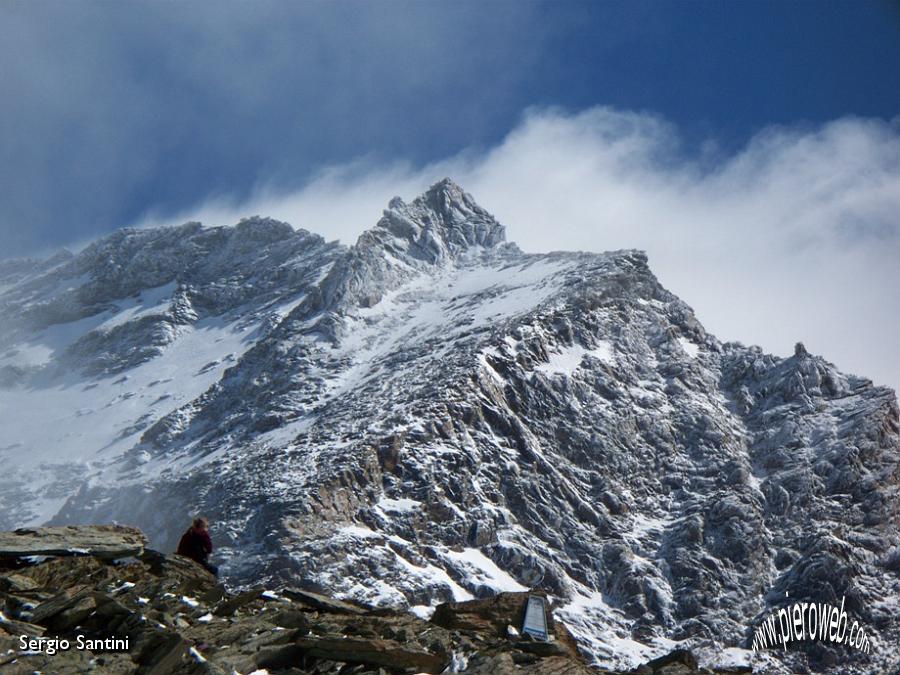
x=432, y=415
x=162, y=615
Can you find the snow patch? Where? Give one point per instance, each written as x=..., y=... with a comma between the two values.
x=689, y=347
x=402, y=505
x=424, y=612
x=600, y=627
x=483, y=571
x=569, y=359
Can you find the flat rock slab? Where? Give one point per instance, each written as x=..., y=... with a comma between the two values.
x=321, y=602
x=373, y=652
x=17, y=628
x=108, y=542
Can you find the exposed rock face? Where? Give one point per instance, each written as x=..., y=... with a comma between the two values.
x=101, y=541
x=170, y=278
x=439, y=226
x=432, y=415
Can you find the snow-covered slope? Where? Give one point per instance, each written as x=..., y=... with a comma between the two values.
x=433, y=414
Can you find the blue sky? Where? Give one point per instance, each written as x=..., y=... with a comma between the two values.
x=752, y=148
x=113, y=110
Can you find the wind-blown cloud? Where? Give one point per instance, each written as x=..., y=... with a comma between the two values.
x=794, y=237
x=111, y=108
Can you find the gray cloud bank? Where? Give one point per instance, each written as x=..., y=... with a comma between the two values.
x=794, y=237
x=110, y=107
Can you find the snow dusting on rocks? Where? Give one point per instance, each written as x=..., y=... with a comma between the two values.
x=433, y=415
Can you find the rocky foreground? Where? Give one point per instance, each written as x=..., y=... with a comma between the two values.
x=97, y=585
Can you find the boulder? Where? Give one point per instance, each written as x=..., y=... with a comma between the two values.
x=488, y=615
x=492, y=616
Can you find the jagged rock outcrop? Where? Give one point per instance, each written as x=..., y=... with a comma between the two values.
x=432, y=415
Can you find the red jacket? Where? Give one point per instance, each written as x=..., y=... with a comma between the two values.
x=195, y=544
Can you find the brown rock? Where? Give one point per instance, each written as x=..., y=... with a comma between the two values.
x=677, y=662
x=290, y=618
x=45, y=612
x=497, y=664
x=73, y=615
x=541, y=648
x=229, y=606
x=556, y=665
x=491, y=616
x=322, y=602
x=182, y=575
x=279, y=657
x=68, y=572
x=387, y=653
x=162, y=652
x=17, y=628
x=13, y=583
x=107, y=542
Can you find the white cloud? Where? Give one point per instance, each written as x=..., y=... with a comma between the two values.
x=794, y=237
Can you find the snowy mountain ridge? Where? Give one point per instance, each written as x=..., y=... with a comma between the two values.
x=432, y=414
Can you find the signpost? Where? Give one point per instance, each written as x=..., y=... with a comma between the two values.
x=535, y=623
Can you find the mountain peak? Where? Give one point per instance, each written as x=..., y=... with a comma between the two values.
x=446, y=187
x=441, y=223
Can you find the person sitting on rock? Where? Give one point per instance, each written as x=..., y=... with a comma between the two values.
x=196, y=544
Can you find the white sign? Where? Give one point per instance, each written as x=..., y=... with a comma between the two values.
x=535, y=623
